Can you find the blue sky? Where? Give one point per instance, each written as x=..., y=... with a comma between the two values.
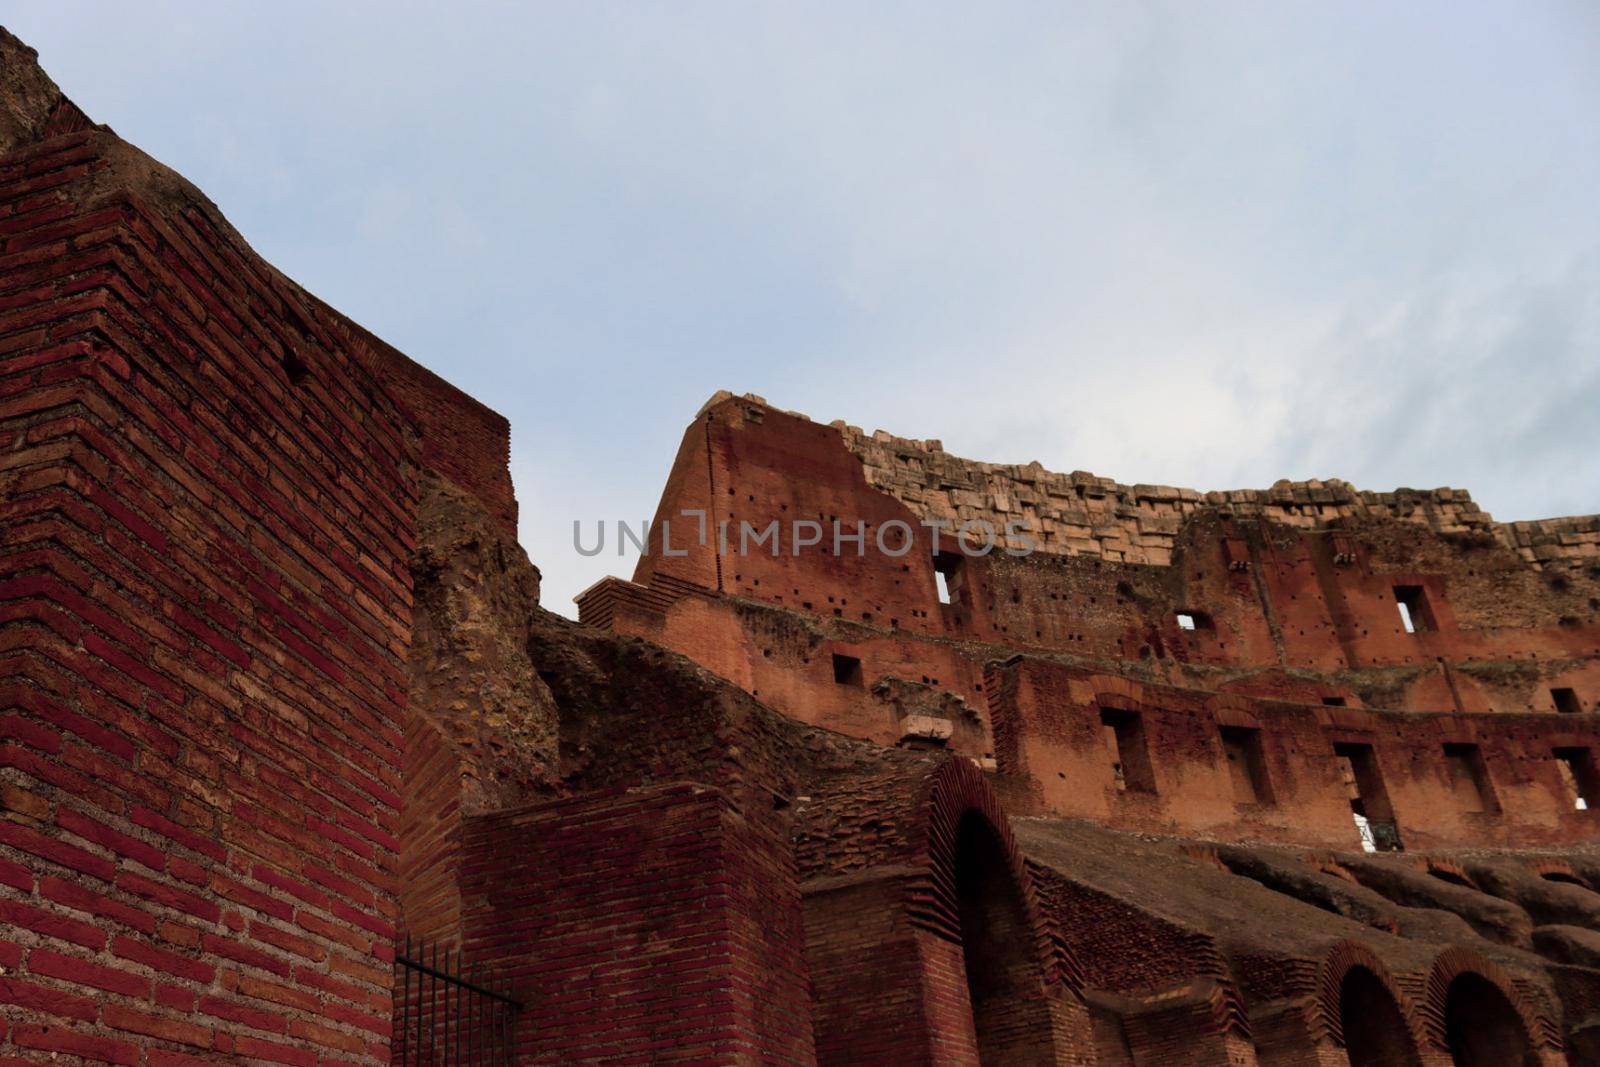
x=1203, y=245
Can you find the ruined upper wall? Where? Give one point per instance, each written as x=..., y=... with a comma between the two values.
x=1084, y=514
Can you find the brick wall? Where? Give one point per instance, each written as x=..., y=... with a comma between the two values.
x=205, y=603
x=462, y=440
x=429, y=832
x=1066, y=762
x=640, y=926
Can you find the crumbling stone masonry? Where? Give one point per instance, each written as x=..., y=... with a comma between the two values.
x=1297, y=777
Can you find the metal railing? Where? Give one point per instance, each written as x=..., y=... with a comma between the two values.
x=450, y=1016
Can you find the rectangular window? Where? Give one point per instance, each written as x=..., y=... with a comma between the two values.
x=1247, y=767
x=846, y=669
x=1580, y=775
x=949, y=569
x=1333, y=702
x=1185, y=621
x=1415, y=614
x=1469, y=778
x=1130, y=757
x=1566, y=701
x=1369, y=799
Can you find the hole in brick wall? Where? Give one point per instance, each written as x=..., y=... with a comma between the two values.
x=1130, y=756
x=1415, y=614
x=1579, y=775
x=1566, y=701
x=1469, y=778
x=1194, y=620
x=1334, y=702
x=1369, y=798
x=295, y=368
x=1185, y=621
x=1247, y=765
x=949, y=571
x=846, y=669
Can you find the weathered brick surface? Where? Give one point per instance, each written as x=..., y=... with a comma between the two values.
x=640, y=927
x=205, y=613
x=1293, y=602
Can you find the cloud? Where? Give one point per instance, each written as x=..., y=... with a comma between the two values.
x=1204, y=246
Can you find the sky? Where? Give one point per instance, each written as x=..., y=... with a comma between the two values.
x=1202, y=245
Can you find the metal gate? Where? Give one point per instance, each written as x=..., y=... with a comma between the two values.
x=447, y=1015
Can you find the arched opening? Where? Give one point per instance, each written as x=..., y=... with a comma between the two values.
x=1482, y=1026
x=1564, y=878
x=1004, y=980
x=1444, y=874
x=1375, y=1031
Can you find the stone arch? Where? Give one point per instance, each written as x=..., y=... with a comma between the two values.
x=1474, y=1010
x=979, y=894
x=1364, y=1011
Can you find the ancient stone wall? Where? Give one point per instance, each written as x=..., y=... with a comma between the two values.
x=1084, y=514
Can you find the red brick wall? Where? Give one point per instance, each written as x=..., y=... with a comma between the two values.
x=866, y=964
x=1063, y=758
x=747, y=463
x=430, y=836
x=466, y=442
x=652, y=925
x=206, y=610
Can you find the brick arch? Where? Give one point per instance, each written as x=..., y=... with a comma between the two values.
x=1233, y=709
x=950, y=794
x=1545, y=867
x=1438, y=864
x=1455, y=961
x=1341, y=959
x=1110, y=689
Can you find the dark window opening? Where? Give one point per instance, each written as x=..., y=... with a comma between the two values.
x=1415, y=615
x=846, y=669
x=1369, y=799
x=1247, y=766
x=1374, y=1028
x=1193, y=620
x=1566, y=699
x=1333, y=702
x=295, y=368
x=1130, y=756
x=1469, y=778
x=1580, y=776
x=1482, y=1027
x=1010, y=1012
x=949, y=572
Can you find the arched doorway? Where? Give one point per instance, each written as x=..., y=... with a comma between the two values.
x=1482, y=1026
x=1374, y=1028
x=1010, y=1013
